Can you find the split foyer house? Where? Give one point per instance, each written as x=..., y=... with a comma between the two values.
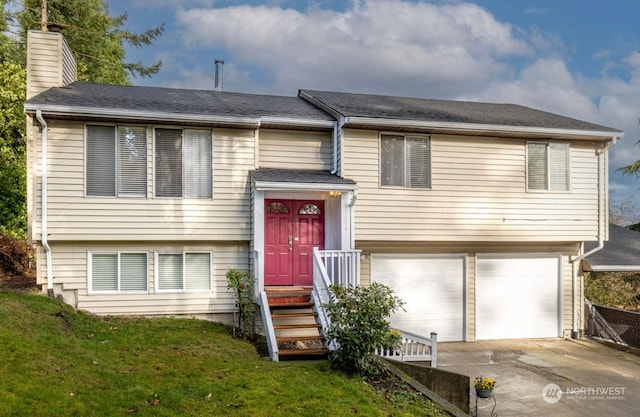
x=141, y=199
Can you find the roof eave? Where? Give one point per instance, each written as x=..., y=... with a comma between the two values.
x=288, y=121
x=107, y=113
x=302, y=186
x=610, y=268
x=474, y=127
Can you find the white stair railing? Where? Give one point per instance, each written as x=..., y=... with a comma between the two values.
x=342, y=267
x=413, y=348
x=321, y=295
x=270, y=332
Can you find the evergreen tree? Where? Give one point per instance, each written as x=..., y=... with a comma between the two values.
x=13, y=204
x=95, y=37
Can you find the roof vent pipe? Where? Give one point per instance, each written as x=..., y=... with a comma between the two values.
x=217, y=86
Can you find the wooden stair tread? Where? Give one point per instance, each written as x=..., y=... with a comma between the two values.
x=291, y=304
x=292, y=315
x=303, y=352
x=295, y=292
x=291, y=339
x=296, y=326
x=277, y=294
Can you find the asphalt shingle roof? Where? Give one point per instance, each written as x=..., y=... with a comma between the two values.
x=420, y=109
x=177, y=101
x=298, y=175
x=86, y=98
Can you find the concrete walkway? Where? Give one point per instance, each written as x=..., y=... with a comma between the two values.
x=593, y=379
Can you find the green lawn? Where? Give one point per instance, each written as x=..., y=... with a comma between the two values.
x=58, y=362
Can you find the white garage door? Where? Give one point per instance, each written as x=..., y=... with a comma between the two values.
x=517, y=297
x=432, y=288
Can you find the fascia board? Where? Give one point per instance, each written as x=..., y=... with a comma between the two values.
x=302, y=186
x=139, y=115
x=287, y=121
x=613, y=268
x=173, y=117
x=473, y=127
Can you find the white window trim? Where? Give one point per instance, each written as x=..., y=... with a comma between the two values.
x=115, y=138
x=118, y=253
x=153, y=159
x=183, y=290
x=405, y=135
x=548, y=179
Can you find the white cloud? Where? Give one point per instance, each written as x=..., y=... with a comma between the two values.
x=385, y=46
x=453, y=50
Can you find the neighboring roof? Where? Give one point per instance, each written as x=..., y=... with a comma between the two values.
x=273, y=178
x=154, y=103
x=621, y=253
x=368, y=109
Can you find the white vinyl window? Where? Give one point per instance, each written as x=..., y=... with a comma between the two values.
x=183, y=166
x=118, y=272
x=183, y=271
x=116, y=161
x=548, y=166
x=405, y=161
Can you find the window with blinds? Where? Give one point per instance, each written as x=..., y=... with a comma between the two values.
x=186, y=271
x=405, y=161
x=116, y=161
x=183, y=163
x=119, y=272
x=548, y=166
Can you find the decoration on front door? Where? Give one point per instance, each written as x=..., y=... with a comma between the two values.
x=277, y=208
x=309, y=209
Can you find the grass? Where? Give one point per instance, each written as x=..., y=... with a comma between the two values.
x=56, y=361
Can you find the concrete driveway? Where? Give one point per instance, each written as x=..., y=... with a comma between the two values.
x=549, y=377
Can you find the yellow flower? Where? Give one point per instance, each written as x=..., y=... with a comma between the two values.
x=484, y=382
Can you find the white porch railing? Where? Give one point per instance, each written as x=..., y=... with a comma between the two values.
x=342, y=266
x=413, y=348
x=332, y=267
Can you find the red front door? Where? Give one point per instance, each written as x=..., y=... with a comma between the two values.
x=292, y=228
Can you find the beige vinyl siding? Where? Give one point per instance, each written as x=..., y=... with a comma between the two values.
x=295, y=150
x=73, y=216
x=45, y=67
x=567, y=297
x=478, y=194
x=471, y=249
x=70, y=263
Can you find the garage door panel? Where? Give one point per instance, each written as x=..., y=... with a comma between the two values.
x=432, y=288
x=517, y=297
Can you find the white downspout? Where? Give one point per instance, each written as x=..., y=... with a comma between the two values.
x=44, y=226
x=601, y=233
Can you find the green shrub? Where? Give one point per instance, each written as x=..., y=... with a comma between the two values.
x=360, y=325
x=613, y=289
x=241, y=284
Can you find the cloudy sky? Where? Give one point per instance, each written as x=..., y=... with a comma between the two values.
x=579, y=58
